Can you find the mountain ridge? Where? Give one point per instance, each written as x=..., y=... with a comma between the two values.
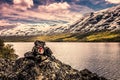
x=108, y=19
x=104, y=24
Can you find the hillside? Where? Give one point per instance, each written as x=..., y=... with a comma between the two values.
x=47, y=15
x=104, y=20
x=102, y=26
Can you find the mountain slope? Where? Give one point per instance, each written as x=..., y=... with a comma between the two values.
x=102, y=26
x=104, y=20
x=99, y=26
x=16, y=18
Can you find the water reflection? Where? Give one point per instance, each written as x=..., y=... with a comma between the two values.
x=106, y=60
x=101, y=58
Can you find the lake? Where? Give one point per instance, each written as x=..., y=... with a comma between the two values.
x=101, y=58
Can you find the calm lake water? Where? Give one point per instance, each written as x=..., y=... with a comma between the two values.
x=101, y=58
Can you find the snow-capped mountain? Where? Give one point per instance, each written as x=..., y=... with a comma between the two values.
x=104, y=20
x=19, y=19
x=32, y=29
x=35, y=17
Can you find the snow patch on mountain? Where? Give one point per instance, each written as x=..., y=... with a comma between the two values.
x=32, y=29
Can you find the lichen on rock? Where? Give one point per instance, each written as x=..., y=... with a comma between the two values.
x=42, y=67
x=28, y=69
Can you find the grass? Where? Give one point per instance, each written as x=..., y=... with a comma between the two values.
x=55, y=37
x=105, y=36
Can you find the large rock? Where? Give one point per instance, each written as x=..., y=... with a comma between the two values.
x=42, y=68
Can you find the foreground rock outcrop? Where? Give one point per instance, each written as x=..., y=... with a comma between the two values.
x=40, y=64
x=49, y=69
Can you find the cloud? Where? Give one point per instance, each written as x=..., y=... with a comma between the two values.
x=3, y=23
x=24, y=3
x=54, y=7
x=114, y=1
x=19, y=12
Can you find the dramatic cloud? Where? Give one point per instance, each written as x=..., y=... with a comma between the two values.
x=54, y=7
x=55, y=11
x=114, y=1
x=23, y=11
x=4, y=23
x=24, y=3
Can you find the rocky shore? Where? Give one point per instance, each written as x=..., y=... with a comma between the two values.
x=40, y=64
x=26, y=68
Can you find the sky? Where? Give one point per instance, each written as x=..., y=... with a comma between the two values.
x=26, y=10
x=114, y=1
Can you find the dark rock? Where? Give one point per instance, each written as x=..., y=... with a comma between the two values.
x=98, y=17
x=27, y=69
x=107, y=15
x=29, y=55
x=42, y=67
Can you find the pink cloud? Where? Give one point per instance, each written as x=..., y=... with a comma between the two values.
x=114, y=1
x=54, y=11
x=27, y=3
x=4, y=23
x=22, y=4
x=54, y=7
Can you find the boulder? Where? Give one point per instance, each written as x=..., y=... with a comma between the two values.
x=49, y=69
x=36, y=66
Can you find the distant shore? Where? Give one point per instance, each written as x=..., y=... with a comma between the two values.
x=104, y=36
